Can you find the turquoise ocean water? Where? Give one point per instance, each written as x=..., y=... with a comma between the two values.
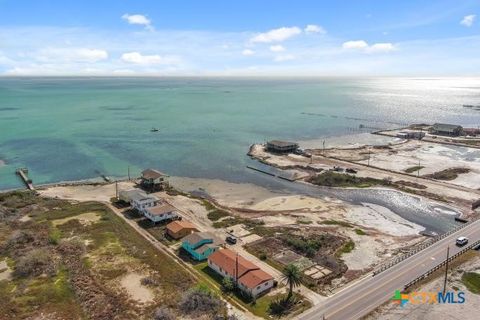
x=73, y=128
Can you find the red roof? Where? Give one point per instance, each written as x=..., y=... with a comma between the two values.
x=176, y=226
x=254, y=278
x=249, y=274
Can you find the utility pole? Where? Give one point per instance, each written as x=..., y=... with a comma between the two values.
x=446, y=271
x=116, y=189
x=128, y=173
x=324, y=148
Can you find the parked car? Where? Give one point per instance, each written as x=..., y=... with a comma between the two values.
x=338, y=169
x=461, y=241
x=350, y=170
x=231, y=239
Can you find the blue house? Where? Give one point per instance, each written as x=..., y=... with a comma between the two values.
x=201, y=244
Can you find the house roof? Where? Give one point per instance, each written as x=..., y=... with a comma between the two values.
x=196, y=237
x=152, y=174
x=205, y=247
x=446, y=127
x=249, y=274
x=281, y=144
x=136, y=195
x=253, y=278
x=177, y=226
x=161, y=209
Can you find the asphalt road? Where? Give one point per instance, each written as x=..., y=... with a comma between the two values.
x=364, y=296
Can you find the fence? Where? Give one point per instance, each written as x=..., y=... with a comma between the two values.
x=420, y=247
x=441, y=264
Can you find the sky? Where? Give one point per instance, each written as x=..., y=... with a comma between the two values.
x=240, y=38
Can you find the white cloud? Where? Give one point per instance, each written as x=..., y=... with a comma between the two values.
x=138, y=58
x=138, y=19
x=467, y=21
x=248, y=52
x=355, y=44
x=284, y=57
x=363, y=46
x=313, y=28
x=277, y=48
x=71, y=55
x=200, y=53
x=276, y=35
x=381, y=47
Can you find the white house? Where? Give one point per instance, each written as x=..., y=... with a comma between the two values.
x=161, y=212
x=248, y=277
x=138, y=199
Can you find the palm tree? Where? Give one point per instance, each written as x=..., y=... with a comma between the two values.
x=293, y=277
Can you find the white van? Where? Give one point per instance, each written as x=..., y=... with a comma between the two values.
x=461, y=241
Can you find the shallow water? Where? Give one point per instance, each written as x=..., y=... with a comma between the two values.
x=75, y=128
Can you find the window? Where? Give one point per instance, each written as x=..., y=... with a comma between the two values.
x=258, y=288
x=266, y=284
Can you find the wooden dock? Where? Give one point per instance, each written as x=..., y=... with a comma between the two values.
x=23, y=173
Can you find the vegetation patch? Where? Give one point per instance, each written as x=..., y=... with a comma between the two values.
x=413, y=169
x=360, y=232
x=346, y=248
x=472, y=281
x=337, y=222
x=217, y=214
x=334, y=179
x=448, y=174
x=72, y=269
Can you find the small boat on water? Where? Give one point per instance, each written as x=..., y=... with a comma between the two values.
x=154, y=130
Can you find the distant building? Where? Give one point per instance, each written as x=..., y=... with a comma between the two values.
x=201, y=244
x=248, y=276
x=180, y=229
x=277, y=146
x=446, y=129
x=411, y=135
x=161, y=212
x=154, y=180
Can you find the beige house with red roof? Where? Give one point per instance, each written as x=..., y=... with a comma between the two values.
x=180, y=228
x=249, y=277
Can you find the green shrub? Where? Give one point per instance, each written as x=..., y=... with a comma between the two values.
x=346, y=248
x=217, y=214
x=227, y=285
x=54, y=236
x=472, y=281
x=360, y=232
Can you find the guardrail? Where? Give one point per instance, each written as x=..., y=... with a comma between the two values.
x=420, y=247
x=441, y=264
